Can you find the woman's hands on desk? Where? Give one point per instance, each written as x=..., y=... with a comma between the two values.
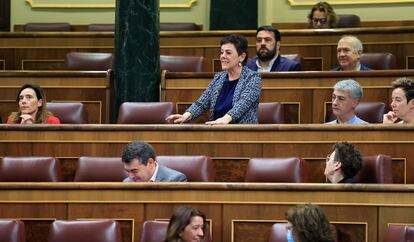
x=226, y=119
x=178, y=118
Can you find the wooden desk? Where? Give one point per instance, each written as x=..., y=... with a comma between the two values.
x=229, y=146
x=41, y=51
x=89, y=87
x=305, y=95
x=239, y=212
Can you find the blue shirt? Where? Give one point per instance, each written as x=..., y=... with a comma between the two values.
x=225, y=99
x=354, y=120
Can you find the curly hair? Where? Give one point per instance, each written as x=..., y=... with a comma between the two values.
x=179, y=220
x=330, y=13
x=350, y=158
x=309, y=224
x=407, y=85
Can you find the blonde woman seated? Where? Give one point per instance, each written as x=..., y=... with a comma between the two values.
x=402, y=102
x=32, y=107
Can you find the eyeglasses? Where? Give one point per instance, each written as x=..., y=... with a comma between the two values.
x=320, y=20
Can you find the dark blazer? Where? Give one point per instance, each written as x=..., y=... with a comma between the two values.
x=281, y=64
x=165, y=174
x=363, y=68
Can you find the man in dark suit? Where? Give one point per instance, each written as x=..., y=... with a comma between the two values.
x=139, y=161
x=348, y=53
x=268, y=58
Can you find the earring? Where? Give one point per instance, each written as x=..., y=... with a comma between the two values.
x=240, y=64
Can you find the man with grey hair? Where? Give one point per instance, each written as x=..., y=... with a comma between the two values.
x=346, y=96
x=348, y=53
x=139, y=161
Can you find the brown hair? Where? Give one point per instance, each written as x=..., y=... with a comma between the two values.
x=330, y=14
x=179, y=220
x=407, y=85
x=309, y=224
x=42, y=112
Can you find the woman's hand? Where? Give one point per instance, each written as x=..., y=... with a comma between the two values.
x=26, y=119
x=178, y=118
x=226, y=119
x=389, y=118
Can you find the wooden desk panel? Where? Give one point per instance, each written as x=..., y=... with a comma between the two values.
x=235, y=211
x=308, y=91
x=229, y=146
x=22, y=50
x=89, y=87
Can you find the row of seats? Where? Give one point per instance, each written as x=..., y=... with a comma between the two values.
x=157, y=112
x=97, y=169
x=395, y=233
x=268, y=113
x=66, y=27
x=104, y=61
x=89, y=61
x=152, y=231
x=375, y=169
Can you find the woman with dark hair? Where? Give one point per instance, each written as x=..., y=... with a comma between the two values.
x=402, y=102
x=322, y=16
x=308, y=223
x=32, y=107
x=187, y=224
x=233, y=95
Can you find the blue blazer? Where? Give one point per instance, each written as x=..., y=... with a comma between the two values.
x=363, y=68
x=281, y=64
x=165, y=174
x=245, y=99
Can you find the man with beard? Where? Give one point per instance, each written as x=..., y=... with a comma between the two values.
x=346, y=96
x=267, y=49
x=348, y=53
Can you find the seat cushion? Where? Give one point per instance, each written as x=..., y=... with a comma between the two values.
x=30, y=169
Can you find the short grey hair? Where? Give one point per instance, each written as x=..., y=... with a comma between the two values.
x=352, y=87
x=358, y=43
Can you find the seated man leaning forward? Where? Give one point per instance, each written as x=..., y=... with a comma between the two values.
x=139, y=161
x=346, y=96
x=267, y=50
x=343, y=163
x=348, y=53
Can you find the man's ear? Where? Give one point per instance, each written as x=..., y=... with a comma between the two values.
x=338, y=165
x=355, y=103
x=151, y=162
x=411, y=103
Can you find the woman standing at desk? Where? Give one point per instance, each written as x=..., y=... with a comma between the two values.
x=233, y=95
x=32, y=107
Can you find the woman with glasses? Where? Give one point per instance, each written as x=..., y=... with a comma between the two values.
x=322, y=16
